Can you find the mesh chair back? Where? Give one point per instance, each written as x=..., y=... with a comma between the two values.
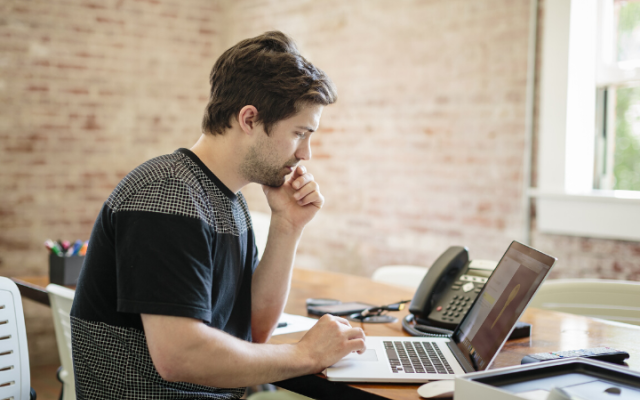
x=400, y=275
x=598, y=298
x=261, y=222
x=14, y=355
x=61, y=299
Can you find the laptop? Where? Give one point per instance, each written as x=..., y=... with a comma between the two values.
x=474, y=344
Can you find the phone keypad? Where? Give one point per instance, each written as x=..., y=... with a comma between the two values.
x=451, y=310
x=455, y=303
x=457, y=306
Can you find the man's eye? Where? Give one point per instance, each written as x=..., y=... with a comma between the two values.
x=301, y=135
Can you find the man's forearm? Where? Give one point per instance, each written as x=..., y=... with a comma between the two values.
x=199, y=354
x=186, y=350
x=272, y=279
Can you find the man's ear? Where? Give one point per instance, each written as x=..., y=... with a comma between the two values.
x=247, y=119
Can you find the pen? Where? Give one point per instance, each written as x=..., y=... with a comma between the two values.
x=75, y=249
x=64, y=245
x=83, y=249
x=53, y=247
x=282, y=324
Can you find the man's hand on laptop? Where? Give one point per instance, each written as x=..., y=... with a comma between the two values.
x=330, y=340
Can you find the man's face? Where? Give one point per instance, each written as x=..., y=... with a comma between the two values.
x=272, y=157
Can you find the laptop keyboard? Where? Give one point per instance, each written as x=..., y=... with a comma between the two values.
x=416, y=357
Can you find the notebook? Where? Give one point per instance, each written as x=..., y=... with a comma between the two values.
x=474, y=343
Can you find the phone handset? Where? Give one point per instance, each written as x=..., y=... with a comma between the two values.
x=414, y=329
x=439, y=278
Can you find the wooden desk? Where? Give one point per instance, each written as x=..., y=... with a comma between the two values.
x=33, y=287
x=552, y=331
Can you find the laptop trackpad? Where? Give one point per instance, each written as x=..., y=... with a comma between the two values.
x=368, y=355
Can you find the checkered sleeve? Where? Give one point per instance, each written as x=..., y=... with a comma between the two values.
x=121, y=368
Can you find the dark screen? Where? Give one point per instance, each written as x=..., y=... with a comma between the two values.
x=503, y=299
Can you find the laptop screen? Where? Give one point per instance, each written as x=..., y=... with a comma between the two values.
x=498, y=306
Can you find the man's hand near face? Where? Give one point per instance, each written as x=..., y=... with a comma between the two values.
x=296, y=202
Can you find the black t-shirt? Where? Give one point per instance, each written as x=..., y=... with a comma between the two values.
x=170, y=240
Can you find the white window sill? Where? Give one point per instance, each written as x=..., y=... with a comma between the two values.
x=600, y=214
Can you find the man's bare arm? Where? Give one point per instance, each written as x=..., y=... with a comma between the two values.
x=293, y=205
x=187, y=350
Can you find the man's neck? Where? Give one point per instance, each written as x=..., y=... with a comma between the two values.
x=222, y=156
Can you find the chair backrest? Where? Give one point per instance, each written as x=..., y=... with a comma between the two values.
x=599, y=298
x=15, y=381
x=400, y=275
x=61, y=299
x=261, y=223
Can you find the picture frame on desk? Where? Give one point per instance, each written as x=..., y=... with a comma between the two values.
x=578, y=377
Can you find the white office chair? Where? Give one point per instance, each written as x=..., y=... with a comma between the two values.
x=61, y=299
x=277, y=395
x=15, y=379
x=408, y=276
x=261, y=223
x=599, y=298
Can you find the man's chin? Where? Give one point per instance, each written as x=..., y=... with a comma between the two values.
x=274, y=183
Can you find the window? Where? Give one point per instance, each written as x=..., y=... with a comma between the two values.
x=570, y=162
x=617, y=155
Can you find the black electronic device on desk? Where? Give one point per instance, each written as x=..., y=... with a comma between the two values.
x=354, y=310
x=447, y=292
x=596, y=353
x=337, y=308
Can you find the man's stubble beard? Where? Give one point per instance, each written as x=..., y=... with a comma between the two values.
x=258, y=168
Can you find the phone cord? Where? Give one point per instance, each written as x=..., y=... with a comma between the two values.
x=423, y=330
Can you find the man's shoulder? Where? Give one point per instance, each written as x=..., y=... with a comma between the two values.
x=155, y=177
x=176, y=184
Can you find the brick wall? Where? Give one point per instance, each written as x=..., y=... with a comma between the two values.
x=89, y=90
x=580, y=257
x=423, y=150
x=425, y=146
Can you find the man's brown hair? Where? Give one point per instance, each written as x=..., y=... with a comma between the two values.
x=269, y=73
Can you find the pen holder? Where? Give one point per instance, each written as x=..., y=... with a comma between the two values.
x=64, y=270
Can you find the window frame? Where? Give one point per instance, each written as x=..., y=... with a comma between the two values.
x=566, y=202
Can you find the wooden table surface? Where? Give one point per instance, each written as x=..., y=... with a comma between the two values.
x=552, y=331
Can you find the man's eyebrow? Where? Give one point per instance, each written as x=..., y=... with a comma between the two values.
x=306, y=128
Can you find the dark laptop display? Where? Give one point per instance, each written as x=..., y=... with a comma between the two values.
x=484, y=330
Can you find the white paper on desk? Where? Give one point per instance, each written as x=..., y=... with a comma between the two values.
x=295, y=323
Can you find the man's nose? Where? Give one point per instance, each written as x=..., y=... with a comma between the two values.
x=304, y=150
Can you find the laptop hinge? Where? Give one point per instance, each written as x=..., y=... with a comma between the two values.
x=466, y=365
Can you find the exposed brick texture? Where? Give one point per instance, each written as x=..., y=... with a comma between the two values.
x=580, y=257
x=423, y=150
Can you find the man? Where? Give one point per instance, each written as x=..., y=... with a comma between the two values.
x=171, y=301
